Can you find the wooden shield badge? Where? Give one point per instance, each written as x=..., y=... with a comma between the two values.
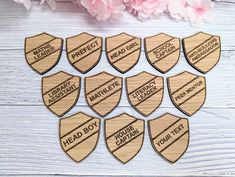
x=202, y=51
x=60, y=92
x=123, y=51
x=187, y=92
x=162, y=51
x=43, y=51
x=169, y=136
x=84, y=51
x=103, y=92
x=79, y=135
x=124, y=136
x=145, y=92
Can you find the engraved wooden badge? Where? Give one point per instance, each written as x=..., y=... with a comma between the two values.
x=43, y=51
x=169, y=136
x=162, y=51
x=202, y=51
x=123, y=51
x=124, y=136
x=79, y=135
x=187, y=92
x=103, y=92
x=60, y=92
x=84, y=51
x=145, y=92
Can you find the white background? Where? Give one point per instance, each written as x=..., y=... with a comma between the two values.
x=29, y=143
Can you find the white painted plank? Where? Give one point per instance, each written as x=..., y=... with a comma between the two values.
x=22, y=86
x=68, y=20
x=29, y=145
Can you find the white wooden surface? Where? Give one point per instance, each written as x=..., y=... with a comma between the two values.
x=29, y=142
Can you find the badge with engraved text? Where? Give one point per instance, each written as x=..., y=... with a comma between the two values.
x=43, y=51
x=169, y=136
x=187, y=92
x=145, y=92
x=79, y=135
x=84, y=51
x=162, y=51
x=103, y=92
x=202, y=51
x=123, y=51
x=124, y=136
x=60, y=92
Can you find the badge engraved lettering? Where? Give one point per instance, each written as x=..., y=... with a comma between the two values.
x=84, y=51
x=162, y=51
x=43, y=51
x=187, y=92
x=169, y=136
x=124, y=136
x=60, y=92
x=202, y=51
x=145, y=92
x=103, y=92
x=79, y=135
x=123, y=51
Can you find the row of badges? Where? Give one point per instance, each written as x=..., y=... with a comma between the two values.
x=124, y=136
x=103, y=92
x=84, y=51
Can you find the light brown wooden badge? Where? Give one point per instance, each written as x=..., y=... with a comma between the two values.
x=124, y=136
x=145, y=92
x=187, y=92
x=43, y=51
x=162, y=51
x=202, y=51
x=169, y=136
x=103, y=92
x=123, y=51
x=60, y=92
x=79, y=135
x=84, y=51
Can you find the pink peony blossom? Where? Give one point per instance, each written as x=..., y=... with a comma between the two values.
x=199, y=11
x=146, y=9
x=104, y=9
x=195, y=11
x=178, y=9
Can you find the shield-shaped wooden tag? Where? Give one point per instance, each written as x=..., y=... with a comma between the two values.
x=84, y=51
x=123, y=51
x=43, y=51
x=187, y=92
x=79, y=135
x=145, y=92
x=169, y=136
x=103, y=92
x=60, y=92
x=124, y=136
x=162, y=51
x=202, y=51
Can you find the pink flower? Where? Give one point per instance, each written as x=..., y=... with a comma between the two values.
x=104, y=9
x=178, y=9
x=146, y=9
x=200, y=11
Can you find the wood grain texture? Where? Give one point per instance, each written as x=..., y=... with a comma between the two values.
x=29, y=143
x=202, y=51
x=187, y=91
